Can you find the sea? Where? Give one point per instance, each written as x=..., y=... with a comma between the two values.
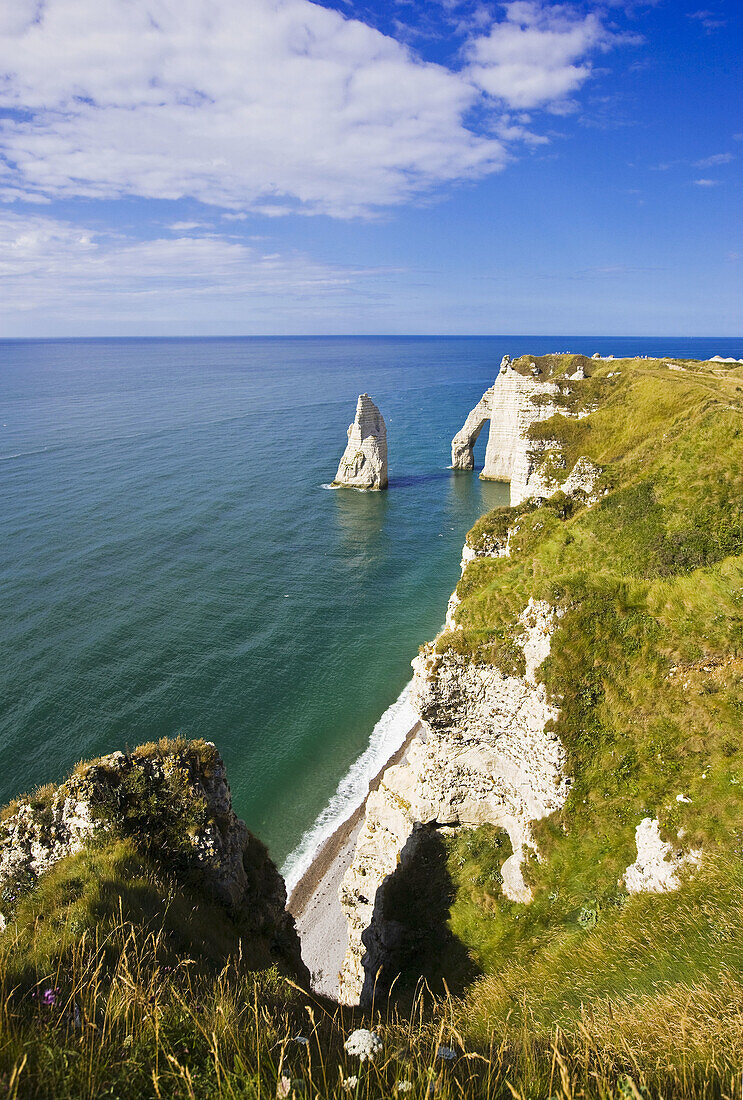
x=172, y=560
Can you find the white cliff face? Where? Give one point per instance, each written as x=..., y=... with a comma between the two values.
x=364, y=461
x=514, y=410
x=656, y=869
x=512, y=404
x=484, y=756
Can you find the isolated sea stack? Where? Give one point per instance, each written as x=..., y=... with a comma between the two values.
x=364, y=461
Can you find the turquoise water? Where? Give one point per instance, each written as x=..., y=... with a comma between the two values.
x=170, y=563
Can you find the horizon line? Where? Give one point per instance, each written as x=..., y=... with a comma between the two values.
x=384, y=336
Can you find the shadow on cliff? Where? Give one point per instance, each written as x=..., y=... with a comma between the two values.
x=409, y=938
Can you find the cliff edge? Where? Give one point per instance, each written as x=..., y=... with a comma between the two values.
x=170, y=804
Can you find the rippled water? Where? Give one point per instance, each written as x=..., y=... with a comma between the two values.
x=170, y=562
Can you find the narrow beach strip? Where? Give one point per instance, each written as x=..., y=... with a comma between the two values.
x=313, y=900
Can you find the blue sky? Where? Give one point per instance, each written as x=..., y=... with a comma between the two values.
x=457, y=166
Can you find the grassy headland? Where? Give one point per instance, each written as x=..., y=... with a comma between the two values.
x=647, y=663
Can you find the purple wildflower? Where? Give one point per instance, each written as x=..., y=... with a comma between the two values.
x=49, y=996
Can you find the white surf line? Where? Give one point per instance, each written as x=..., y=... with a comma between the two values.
x=386, y=738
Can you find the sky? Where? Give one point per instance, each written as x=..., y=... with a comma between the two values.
x=220, y=167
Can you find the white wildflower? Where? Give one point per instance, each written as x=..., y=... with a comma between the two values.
x=301, y=1040
x=446, y=1054
x=365, y=1044
x=289, y=1087
x=350, y=1083
x=403, y=1086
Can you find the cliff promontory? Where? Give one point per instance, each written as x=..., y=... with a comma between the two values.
x=172, y=802
x=512, y=404
x=574, y=787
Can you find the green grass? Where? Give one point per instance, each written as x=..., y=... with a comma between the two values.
x=647, y=666
x=114, y=982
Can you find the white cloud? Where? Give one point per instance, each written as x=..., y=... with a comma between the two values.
x=16, y=15
x=710, y=20
x=236, y=103
x=706, y=183
x=185, y=227
x=717, y=158
x=270, y=105
x=536, y=55
x=59, y=270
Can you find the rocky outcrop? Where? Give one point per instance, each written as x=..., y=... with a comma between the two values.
x=656, y=869
x=483, y=756
x=364, y=461
x=583, y=481
x=174, y=800
x=512, y=404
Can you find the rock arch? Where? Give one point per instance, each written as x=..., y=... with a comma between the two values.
x=463, y=443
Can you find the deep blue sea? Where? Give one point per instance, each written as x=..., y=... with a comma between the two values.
x=171, y=563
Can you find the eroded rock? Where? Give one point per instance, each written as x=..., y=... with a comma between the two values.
x=512, y=404
x=656, y=869
x=364, y=461
x=177, y=791
x=483, y=756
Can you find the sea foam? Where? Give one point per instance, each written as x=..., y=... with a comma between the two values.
x=387, y=736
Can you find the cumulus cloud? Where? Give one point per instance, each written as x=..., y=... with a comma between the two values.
x=536, y=55
x=61, y=270
x=281, y=102
x=270, y=105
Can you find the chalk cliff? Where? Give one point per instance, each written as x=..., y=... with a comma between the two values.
x=364, y=461
x=486, y=753
x=484, y=756
x=512, y=404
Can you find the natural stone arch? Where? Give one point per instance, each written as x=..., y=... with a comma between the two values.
x=463, y=443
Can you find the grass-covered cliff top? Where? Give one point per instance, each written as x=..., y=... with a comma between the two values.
x=141, y=917
x=647, y=665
